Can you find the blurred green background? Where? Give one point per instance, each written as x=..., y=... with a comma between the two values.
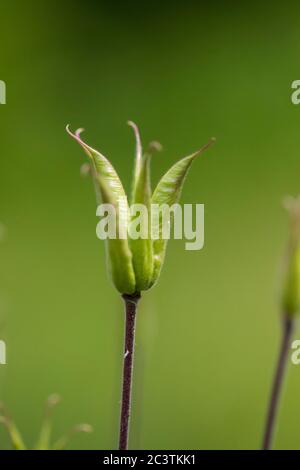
x=208, y=333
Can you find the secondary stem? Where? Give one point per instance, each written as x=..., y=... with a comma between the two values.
x=131, y=302
x=288, y=328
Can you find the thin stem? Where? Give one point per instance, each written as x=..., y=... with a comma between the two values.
x=131, y=302
x=288, y=328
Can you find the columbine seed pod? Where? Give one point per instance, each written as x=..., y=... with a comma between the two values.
x=135, y=260
x=290, y=306
x=135, y=264
x=291, y=284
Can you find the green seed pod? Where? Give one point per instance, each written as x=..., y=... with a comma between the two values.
x=108, y=185
x=142, y=247
x=135, y=262
x=43, y=442
x=291, y=283
x=168, y=192
x=13, y=432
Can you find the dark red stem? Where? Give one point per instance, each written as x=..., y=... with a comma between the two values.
x=131, y=302
x=288, y=328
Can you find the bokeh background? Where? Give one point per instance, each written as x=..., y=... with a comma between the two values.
x=208, y=333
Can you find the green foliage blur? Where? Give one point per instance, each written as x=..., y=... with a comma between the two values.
x=208, y=333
